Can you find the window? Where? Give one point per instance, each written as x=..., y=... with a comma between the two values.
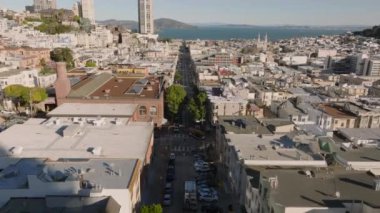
x=336, y=122
x=342, y=124
x=143, y=110
x=153, y=110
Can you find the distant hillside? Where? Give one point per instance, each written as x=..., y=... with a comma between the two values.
x=162, y=23
x=374, y=32
x=165, y=23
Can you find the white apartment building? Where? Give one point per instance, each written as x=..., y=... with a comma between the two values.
x=87, y=150
x=26, y=77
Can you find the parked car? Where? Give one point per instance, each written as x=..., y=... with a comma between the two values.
x=172, y=156
x=168, y=188
x=171, y=162
x=200, y=163
x=208, y=197
x=167, y=200
x=205, y=191
x=170, y=171
x=170, y=177
x=202, y=181
x=211, y=208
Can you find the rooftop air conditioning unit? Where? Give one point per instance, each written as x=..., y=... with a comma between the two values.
x=97, y=151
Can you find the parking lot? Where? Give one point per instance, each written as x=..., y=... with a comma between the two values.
x=185, y=148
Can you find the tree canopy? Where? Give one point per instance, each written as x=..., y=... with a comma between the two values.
x=63, y=55
x=155, y=208
x=197, y=106
x=26, y=94
x=91, y=63
x=175, y=95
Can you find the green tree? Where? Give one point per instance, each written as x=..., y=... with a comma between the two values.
x=194, y=109
x=178, y=76
x=197, y=107
x=155, y=208
x=25, y=94
x=175, y=95
x=38, y=94
x=15, y=91
x=63, y=55
x=90, y=63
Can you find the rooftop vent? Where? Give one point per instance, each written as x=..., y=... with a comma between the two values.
x=107, y=91
x=16, y=150
x=96, y=150
x=273, y=182
x=377, y=184
x=57, y=121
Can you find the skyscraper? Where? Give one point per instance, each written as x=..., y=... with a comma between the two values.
x=44, y=5
x=146, y=24
x=87, y=10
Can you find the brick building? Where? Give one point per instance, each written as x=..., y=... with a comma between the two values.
x=146, y=92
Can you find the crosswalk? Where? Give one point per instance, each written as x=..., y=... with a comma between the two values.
x=180, y=148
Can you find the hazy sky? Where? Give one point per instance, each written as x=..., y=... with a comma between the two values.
x=258, y=12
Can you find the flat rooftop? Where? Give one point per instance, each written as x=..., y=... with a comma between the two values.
x=64, y=138
x=254, y=147
x=320, y=191
x=93, y=110
x=108, y=86
x=109, y=173
x=62, y=204
x=361, y=133
x=242, y=125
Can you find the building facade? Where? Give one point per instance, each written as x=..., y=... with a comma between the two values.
x=40, y=5
x=146, y=23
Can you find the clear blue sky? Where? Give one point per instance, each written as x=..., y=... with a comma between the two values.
x=258, y=12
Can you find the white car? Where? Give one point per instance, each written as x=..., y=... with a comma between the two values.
x=167, y=200
x=200, y=163
x=202, y=169
x=207, y=191
x=172, y=156
x=208, y=197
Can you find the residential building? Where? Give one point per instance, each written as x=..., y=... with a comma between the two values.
x=246, y=141
x=146, y=19
x=333, y=117
x=147, y=92
x=87, y=150
x=325, y=190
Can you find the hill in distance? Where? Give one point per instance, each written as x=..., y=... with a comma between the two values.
x=374, y=32
x=159, y=24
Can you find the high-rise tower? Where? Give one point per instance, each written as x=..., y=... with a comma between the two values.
x=88, y=10
x=39, y=5
x=146, y=24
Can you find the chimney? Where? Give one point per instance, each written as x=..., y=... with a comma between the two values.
x=62, y=85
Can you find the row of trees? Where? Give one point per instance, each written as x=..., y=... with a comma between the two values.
x=175, y=95
x=155, y=208
x=197, y=107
